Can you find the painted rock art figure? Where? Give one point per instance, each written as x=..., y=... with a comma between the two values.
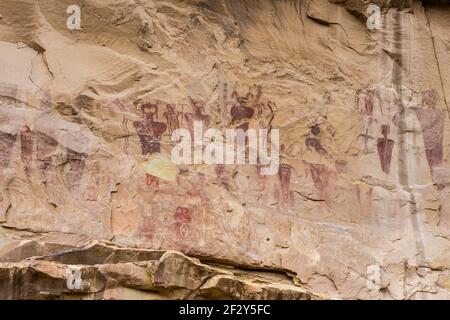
x=26, y=152
x=243, y=109
x=124, y=111
x=432, y=123
x=340, y=165
x=261, y=179
x=152, y=181
x=45, y=150
x=366, y=100
x=150, y=132
x=76, y=163
x=172, y=119
x=366, y=136
x=7, y=142
x=197, y=115
x=284, y=176
x=367, y=109
x=240, y=110
x=320, y=175
x=96, y=180
x=385, y=146
x=272, y=107
x=147, y=229
x=314, y=143
x=183, y=218
x=224, y=101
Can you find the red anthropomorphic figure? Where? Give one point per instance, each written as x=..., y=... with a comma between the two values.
x=183, y=219
x=385, y=147
x=244, y=110
x=197, y=115
x=150, y=132
x=172, y=120
x=26, y=149
x=432, y=123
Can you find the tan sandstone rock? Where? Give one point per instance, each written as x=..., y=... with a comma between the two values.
x=91, y=209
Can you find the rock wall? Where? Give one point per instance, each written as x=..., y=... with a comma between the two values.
x=359, y=206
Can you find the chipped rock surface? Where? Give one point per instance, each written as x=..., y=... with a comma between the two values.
x=81, y=268
x=91, y=207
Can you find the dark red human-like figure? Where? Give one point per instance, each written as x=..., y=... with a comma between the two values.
x=7, y=142
x=320, y=175
x=197, y=114
x=183, y=218
x=385, y=146
x=172, y=119
x=313, y=141
x=150, y=132
x=26, y=150
x=45, y=150
x=240, y=110
x=76, y=163
x=244, y=109
x=284, y=175
x=432, y=123
x=365, y=103
x=147, y=229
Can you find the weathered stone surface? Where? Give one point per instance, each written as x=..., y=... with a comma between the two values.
x=168, y=275
x=360, y=205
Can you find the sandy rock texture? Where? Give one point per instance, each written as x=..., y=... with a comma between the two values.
x=359, y=207
x=58, y=266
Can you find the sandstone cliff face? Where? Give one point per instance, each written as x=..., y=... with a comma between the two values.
x=72, y=267
x=358, y=209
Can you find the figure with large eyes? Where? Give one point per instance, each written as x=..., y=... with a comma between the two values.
x=183, y=218
x=244, y=110
x=197, y=115
x=432, y=123
x=150, y=132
